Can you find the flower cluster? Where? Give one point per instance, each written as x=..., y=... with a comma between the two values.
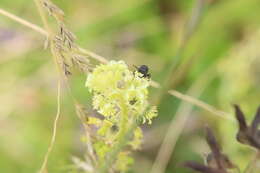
x=120, y=96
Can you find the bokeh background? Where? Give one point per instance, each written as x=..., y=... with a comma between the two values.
x=215, y=44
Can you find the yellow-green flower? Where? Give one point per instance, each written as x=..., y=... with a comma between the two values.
x=121, y=97
x=114, y=86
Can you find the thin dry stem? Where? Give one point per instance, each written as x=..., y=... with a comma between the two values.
x=202, y=105
x=23, y=22
x=54, y=133
x=46, y=157
x=42, y=15
x=93, y=55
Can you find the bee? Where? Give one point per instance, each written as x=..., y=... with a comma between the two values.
x=144, y=70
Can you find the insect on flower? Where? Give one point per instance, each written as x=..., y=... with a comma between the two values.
x=144, y=69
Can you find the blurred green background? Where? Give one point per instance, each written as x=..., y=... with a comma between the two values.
x=216, y=39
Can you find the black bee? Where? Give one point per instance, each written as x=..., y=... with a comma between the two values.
x=144, y=69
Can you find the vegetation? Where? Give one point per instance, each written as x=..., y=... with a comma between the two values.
x=184, y=62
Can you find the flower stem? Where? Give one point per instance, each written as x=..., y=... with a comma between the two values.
x=123, y=136
x=122, y=142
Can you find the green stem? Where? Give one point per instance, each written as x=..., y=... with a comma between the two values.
x=127, y=128
x=123, y=121
x=122, y=142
